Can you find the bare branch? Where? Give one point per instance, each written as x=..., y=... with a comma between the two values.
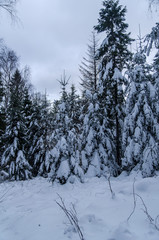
x=9, y=7
x=110, y=187
x=71, y=214
x=134, y=201
x=152, y=221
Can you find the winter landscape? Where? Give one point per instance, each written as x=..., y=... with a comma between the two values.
x=85, y=166
x=28, y=209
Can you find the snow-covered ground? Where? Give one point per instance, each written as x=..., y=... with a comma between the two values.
x=28, y=210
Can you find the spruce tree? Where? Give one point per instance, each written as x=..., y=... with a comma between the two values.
x=65, y=155
x=114, y=55
x=156, y=87
x=140, y=132
x=40, y=133
x=14, y=160
x=34, y=132
x=73, y=138
x=60, y=169
x=96, y=140
x=152, y=40
x=27, y=110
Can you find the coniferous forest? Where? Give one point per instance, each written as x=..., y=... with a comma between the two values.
x=113, y=126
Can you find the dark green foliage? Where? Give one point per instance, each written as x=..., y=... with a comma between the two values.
x=14, y=160
x=112, y=22
x=40, y=136
x=113, y=54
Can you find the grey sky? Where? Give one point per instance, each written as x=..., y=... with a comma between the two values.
x=53, y=35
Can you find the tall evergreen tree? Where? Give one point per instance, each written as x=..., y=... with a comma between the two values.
x=14, y=160
x=140, y=132
x=113, y=54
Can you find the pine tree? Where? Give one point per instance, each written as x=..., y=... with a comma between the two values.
x=14, y=160
x=140, y=133
x=113, y=54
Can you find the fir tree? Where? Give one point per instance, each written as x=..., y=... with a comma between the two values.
x=113, y=54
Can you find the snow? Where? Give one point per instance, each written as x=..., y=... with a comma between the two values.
x=117, y=74
x=28, y=209
x=63, y=170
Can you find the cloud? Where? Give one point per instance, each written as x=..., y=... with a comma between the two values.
x=54, y=35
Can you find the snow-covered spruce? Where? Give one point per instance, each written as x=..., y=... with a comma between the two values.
x=113, y=54
x=65, y=159
x=14, y=161
x=140, y=125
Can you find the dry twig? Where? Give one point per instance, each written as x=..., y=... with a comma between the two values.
x=154, y=222
x=71, y=214
x=110, y=187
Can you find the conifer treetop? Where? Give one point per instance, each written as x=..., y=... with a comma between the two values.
x=112, y=21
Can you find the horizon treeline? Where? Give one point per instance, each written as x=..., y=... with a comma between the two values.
x=112, y=127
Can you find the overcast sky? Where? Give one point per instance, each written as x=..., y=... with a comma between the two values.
x=53, y=35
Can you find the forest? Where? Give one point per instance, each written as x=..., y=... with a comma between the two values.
x=110, y=128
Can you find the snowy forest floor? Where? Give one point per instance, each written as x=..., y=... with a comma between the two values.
x=28, y=210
